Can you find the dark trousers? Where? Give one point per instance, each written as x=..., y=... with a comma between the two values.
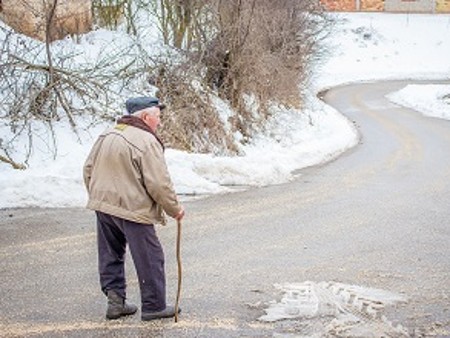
x=113, y=234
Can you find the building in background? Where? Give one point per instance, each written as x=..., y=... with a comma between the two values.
x=29, y=17
x=403, y=6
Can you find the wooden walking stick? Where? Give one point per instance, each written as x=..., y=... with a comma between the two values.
x=177, y=302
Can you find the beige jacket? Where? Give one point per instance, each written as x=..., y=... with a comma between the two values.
x=126, y=176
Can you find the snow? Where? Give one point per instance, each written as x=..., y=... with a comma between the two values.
x=430, y=100
x=388, y=46
x=335, y=309
x=366, y=46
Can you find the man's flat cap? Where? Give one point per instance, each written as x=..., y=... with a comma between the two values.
x=135, y=104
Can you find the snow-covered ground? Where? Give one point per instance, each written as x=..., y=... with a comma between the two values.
x=335, y=309
x=431, y=100
x=366, y=46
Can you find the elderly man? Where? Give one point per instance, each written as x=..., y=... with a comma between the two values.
x=130, y=189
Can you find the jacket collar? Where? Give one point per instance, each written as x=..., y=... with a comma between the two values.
x=136, y=122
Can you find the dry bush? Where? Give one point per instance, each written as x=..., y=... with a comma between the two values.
x=264, y=48
x=261, y=48
x=234, y=48
x=41, y=85
x=191, y=122
x=33, y=90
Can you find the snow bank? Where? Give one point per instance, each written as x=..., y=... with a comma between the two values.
x=365, y=46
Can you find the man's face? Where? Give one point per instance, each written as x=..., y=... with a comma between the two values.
x=152, y=117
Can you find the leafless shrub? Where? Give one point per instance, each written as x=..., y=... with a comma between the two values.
x=234, y=48
x=40, y=87
x=191, y=122
x=263, y=48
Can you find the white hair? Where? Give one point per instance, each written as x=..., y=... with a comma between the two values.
x=149, y=110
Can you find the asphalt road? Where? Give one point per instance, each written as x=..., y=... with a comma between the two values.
x=378, y=216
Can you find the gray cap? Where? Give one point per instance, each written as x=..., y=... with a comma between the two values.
x=135, y=104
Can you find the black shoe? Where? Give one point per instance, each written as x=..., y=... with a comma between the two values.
x=168, y=312
x=117, y=307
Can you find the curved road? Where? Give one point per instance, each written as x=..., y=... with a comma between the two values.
x=378, y=216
